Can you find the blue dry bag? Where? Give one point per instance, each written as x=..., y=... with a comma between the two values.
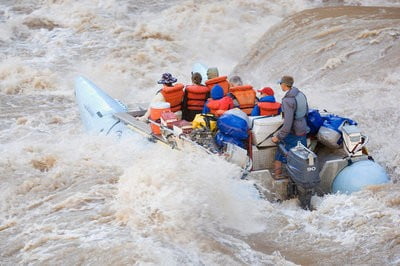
x=221, y=138
x=330, y=133
x=233, y=126
x=314, y=121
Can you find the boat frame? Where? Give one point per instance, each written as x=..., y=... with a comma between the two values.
x=331, y=162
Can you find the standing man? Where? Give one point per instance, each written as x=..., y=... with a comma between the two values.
x=294, y=129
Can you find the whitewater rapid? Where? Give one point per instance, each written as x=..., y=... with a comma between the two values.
x=69, y=197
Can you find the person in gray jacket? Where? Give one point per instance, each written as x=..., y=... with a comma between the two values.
x=294, y=129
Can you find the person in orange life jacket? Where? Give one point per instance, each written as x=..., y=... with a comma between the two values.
x=214, y=79
x=294, y=129
x=234, y=81
x=266, y=104
x=244, y=96
x=218, y=103
x=212, y=72
x=169, y=93
x=194, y=98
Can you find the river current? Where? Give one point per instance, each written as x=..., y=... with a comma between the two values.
x=69, y=197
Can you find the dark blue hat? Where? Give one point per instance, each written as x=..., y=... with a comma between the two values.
x=217, y=92
x=167, y=78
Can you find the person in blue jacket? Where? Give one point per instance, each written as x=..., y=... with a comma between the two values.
x=266, y=104
x=294, y=129
x=218, y=103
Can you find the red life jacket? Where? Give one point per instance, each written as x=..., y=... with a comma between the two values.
x=246, y=97
x=218, y=107
x=196, y=96
x=173, y=95
x=221, y=81
x=267, y=108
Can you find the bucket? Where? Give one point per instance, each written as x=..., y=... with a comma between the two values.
x=156, y=109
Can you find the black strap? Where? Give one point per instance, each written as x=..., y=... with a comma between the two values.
x=208, y=118
x=269, y=136
x=184, y=106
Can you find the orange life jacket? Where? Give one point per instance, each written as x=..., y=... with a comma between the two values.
x=173, y=95
x=218, y=107
x=267, y=108
x=221, y=81
x=246, y=97
x=196, y=96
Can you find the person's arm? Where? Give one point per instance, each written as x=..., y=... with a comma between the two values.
x=157, y=98
x=288, y=105
x=145, y=116
x=255, y=111
x=206, y=110
x=231, y=104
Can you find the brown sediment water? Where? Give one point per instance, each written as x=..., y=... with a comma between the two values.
x=69, y=197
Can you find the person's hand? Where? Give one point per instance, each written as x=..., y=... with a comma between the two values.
x=142, y=118
x=275, y=139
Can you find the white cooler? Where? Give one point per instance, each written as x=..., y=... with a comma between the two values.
x=264, y=126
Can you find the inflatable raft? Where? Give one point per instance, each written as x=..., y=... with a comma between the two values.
x=337, y=169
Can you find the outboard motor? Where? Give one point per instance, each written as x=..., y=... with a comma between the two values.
x=302, y=167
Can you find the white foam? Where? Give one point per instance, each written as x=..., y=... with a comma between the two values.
x=71, y=198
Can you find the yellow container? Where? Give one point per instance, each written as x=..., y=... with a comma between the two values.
x=200, y=121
